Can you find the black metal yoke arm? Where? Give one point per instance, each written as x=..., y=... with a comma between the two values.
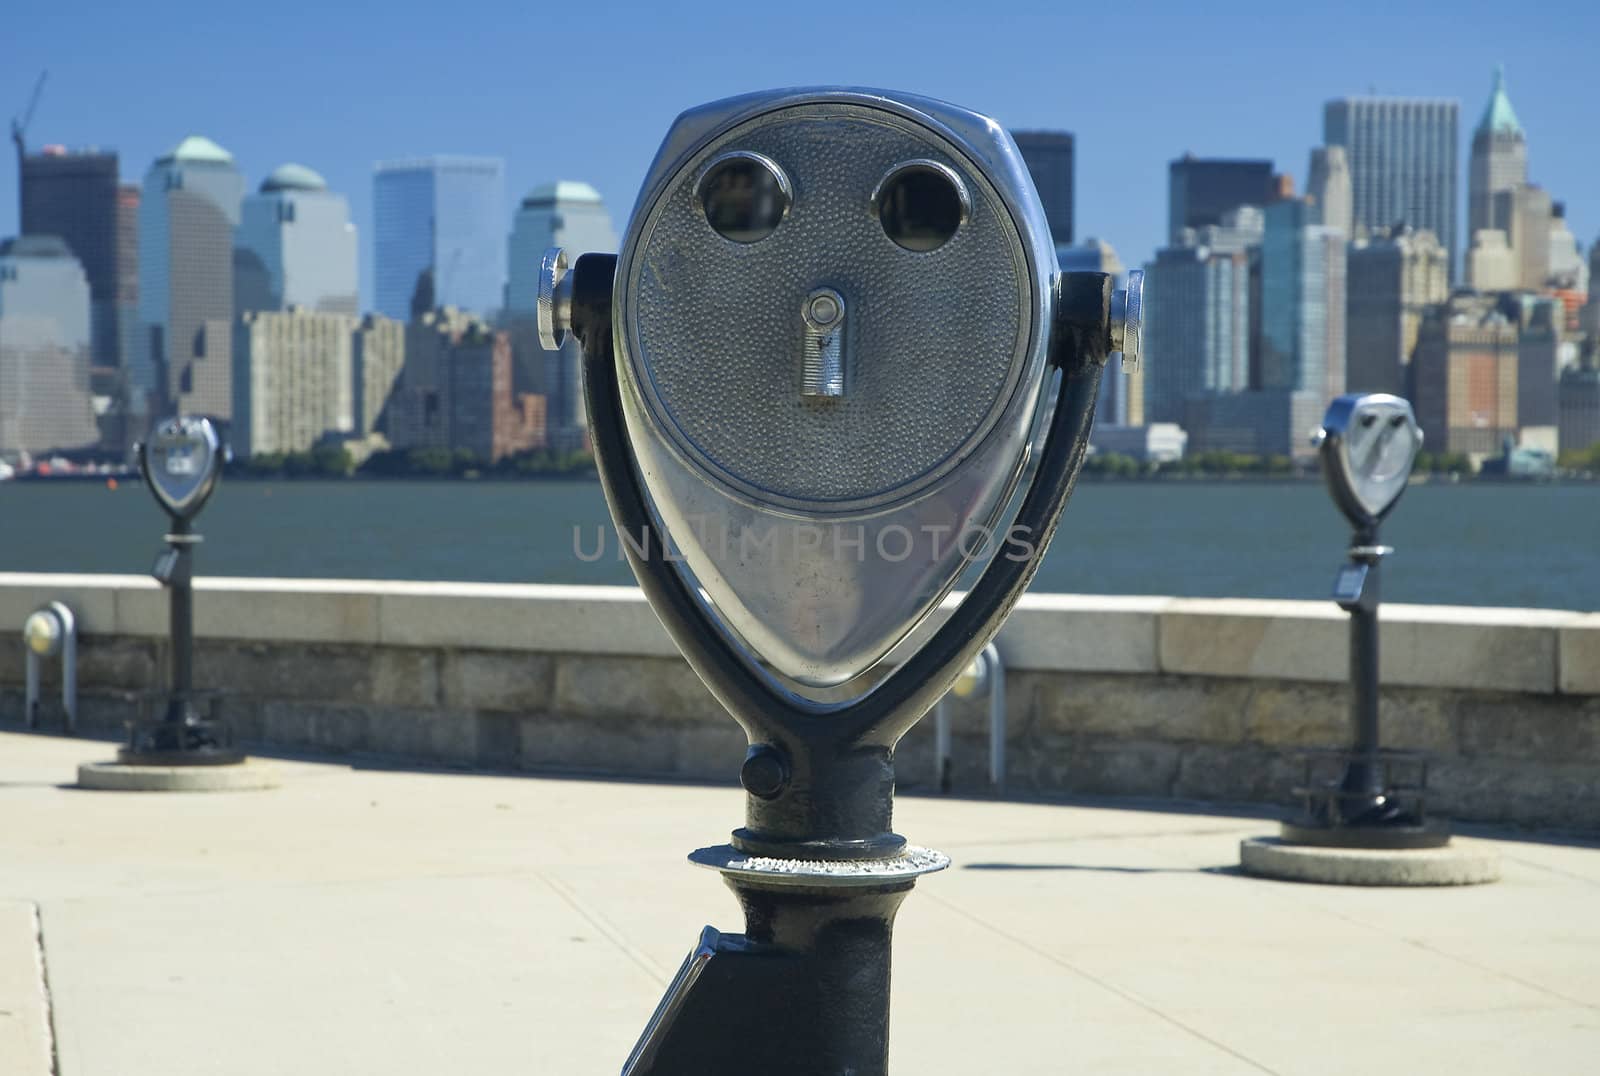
x=852, y=742
x=912, y=689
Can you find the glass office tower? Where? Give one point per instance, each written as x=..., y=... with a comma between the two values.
x=439, y=234
x=296, y=246
x=187, y=217
x=1403, y=155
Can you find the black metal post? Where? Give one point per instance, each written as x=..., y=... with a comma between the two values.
x=1362, y=790
x=182, y=735
x=817, y=868
x=180, y=591
x=1365, y=806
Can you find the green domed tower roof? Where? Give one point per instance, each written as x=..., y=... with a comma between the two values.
x=1499, y=117
x=197, y=149
x=293, y=177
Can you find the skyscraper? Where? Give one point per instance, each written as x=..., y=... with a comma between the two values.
x=1578, y=400
x=1392, y=279
x=1048, y=155
x=44, y=348
x=76, y=196
x=1524, y=214
x=379, y=354
x=438, y=236
x=1302, y=303
x=1200, y=191
x=1198, y=322
x=1403, y=154
x=1329, y=189
x=1568, y=270
x=1539, y=323
x=1464, y=376
x=296, y=246
x=571, y=216
x=1499, y=158
x=455, y=391
x=293, y=380
x=187, y=216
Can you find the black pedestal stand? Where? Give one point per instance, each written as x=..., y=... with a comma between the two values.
x=804, y=991
x=1377, y=798
x=181, y=736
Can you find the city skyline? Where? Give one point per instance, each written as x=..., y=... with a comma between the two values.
x=1267, y=103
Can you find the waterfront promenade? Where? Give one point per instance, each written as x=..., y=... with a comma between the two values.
x=365, y=920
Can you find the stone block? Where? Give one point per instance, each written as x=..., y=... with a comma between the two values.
x=129, y=664
x=1578, y=656
x=1172, y=709
x=1233, y=773
x=1502, y=791
x=1273, y=640
x=1301, y=715
x=556, y=619
x=1286, y=714
x=271, y=671
x=636, y=689
x=321, y=726
x=1082, y=765
x=557, y=741
x=92, y=599
x=13, y=662
x=291, y=610
x=1416, y=719
x=144, y=608
x=713, y=752
x=109, y=713
x=445, y=736
x=404, y=677
x=499, y=740
x=506, y=680
x=1555, y=730
x=1469, y=648
x=243, y=715
x=1082, y=633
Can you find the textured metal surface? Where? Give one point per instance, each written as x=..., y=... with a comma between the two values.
x=1127, y=320
x=553, y=309
x=940, y=338
x=828, y=529
x=912, y=863
x=822, y=367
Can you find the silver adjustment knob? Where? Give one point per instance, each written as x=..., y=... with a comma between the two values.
x=1127, y=320
x=555, y=299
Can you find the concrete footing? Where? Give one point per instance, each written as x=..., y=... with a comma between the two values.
x=1457, y=863
x=243, y=776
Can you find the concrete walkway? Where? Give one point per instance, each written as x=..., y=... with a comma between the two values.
x=396, y=922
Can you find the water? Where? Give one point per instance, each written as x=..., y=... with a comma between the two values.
x=1471, y=544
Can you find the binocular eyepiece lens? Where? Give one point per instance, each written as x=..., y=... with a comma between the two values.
x=745, y=197
x=920, y=205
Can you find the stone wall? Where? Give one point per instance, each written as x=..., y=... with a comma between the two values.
x=1194, y=699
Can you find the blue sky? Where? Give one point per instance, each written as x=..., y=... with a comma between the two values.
x=585, y=89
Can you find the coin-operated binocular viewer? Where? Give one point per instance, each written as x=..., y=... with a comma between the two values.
x=181, y=463
x=833, y=338
x=1368, y=444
